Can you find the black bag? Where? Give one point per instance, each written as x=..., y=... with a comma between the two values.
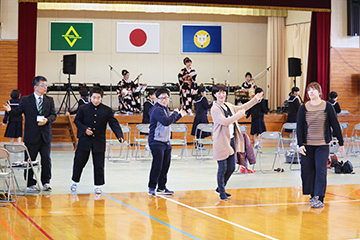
x=347, y=167
x=338, y=167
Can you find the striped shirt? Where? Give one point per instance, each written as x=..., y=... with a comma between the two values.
x=315, y=119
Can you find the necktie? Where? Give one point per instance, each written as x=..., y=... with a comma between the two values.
x=40, y=105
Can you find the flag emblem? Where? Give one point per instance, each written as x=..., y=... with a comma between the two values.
x=201, y=39
x=74, y=37
x=138, y=37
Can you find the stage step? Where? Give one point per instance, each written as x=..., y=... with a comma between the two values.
x=63, y=130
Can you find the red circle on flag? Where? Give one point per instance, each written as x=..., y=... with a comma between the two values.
x=138, y=37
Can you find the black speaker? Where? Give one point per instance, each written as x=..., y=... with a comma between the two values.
x=353, y=17
x=69, y=64
x=294, y=67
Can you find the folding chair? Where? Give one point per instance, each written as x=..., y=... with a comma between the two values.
x=7, y=177
x=140, y=141
x=115, y=142
x=355, y=138
x=275, y=137
x=180, y=129
x=26, y=165
x=334, y=146
x=293, y=143
x=199, y=142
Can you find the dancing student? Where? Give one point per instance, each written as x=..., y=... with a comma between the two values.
x=314, y=121
x=14, y=127
x=91, y=120
x=201, y=109
x=148, y=104
x=333, y=100
x=159, y=142
x=257, y=118
x=187, y=81
x=227, y=137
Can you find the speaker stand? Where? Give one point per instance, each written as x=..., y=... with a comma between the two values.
x=294, y=81
x=66, y=99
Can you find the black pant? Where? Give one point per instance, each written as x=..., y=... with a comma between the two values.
x=80, y=160
x=44, y=149
x=314, y=170
x=161, y=153
x=226, y=168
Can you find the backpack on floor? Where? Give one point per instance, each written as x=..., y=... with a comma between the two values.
x=347, y=167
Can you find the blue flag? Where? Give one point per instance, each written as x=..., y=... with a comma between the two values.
x=201, y=39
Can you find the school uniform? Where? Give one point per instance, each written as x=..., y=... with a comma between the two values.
x=257, y=117
x=201, y=109
x=14, y=126
x=336, y=105
x=96, y=118
x=148, y=104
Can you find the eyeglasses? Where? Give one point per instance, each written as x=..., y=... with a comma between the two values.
x=43, y=85
x=163, y=98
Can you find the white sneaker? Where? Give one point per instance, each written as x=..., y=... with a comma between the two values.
x=33, y=188
x=98, y=190
x=47, y=187
x=147, y=148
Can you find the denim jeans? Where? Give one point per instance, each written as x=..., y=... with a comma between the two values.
x=225, y=168
x=314, y=170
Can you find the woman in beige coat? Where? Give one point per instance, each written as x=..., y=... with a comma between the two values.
x=226, y=135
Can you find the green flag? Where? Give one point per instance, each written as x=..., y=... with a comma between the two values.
x=71, y=36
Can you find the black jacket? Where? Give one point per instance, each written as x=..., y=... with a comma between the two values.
x=96, y=118
x=258, y=110
x=13, y=103
x=330, y=121
x=336, y=105
x=294, y=104
x=33, y=132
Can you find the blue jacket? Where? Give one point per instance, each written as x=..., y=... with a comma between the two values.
x=160, y=121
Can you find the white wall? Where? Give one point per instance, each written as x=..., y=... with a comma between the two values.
x=9, y=20
x=339, y=37
x=243, y=48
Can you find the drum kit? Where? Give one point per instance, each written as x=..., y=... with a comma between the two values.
x=244, y=95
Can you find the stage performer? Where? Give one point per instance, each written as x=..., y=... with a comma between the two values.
x=187, y=81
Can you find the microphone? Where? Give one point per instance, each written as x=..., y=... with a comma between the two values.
x=267, y=69
x=111, y=68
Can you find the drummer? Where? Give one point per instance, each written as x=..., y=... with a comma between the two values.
x=249, y=83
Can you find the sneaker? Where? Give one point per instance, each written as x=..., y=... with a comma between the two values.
x=147, y=148
x=250, y=171
x=257, y=146
x=316, y=203
x=312, y=200
x=151, y=192
x=223, y=197
x=98, y=190
x=33, y=188
x=242, y=169
x=227, y=194
x=73, y=187
x=47, y=187
x=164, y=191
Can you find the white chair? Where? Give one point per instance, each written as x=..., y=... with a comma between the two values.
x=334, y=146
x=293, y=143
x=140, y=140
x=179, y=129
x=7, y=178
x=200, y=142
x=124, y=146
x=26, y=166
x=273, y=137
x=354, y=139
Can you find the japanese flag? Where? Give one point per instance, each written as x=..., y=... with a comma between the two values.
x=138, y=37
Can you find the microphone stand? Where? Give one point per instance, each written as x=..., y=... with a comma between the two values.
x=111, y=82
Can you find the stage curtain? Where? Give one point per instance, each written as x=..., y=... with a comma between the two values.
x=26, y=46
x=297, y=45
x=319, y=51
x=276, y=92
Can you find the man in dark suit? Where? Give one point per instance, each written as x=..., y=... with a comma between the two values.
x=91, y=120
x=39, y=111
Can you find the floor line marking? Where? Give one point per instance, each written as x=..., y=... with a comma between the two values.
x=34, y=223
x=274, y=204
x=333, y=194
x=9, y=229
x=158, y=220
x=219, y=218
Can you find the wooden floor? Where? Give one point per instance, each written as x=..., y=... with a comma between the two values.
x=262, y=213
